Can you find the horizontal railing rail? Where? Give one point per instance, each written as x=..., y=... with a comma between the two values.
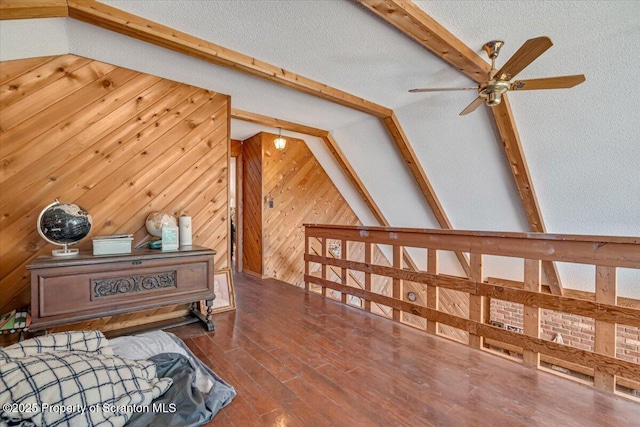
x=603, y=252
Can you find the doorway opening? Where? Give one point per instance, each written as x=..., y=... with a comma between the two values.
x=235, y=205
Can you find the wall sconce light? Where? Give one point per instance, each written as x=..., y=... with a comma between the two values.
x=280, y=142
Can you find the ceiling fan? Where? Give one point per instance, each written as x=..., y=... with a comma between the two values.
x=499, y=82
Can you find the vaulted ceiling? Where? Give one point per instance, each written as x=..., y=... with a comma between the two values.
x=581, y=144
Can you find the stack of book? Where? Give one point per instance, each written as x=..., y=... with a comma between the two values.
x=15, y=321
x=112, y=244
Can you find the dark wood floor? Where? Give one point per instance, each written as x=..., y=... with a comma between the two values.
x=297, y=359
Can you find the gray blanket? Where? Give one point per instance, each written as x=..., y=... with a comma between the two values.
x=197, y=393
x=183, y=404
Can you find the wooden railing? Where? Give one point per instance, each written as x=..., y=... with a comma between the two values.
x=316, y=247
x=605, y=253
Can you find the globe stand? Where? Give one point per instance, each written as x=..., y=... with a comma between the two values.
x=65, y=251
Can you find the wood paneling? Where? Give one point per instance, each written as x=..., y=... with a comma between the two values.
x=379, y=284
x=117, y=142
x=301, y=192
x=252, y=205
x=356, y=251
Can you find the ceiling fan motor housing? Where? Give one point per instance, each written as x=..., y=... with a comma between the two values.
x=492, y=91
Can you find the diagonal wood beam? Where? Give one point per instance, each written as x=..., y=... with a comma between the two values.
x=416, y=23
x=139, y=28
x=346, y=167
x=27, y=9
x=518, y=164
x=414, y=165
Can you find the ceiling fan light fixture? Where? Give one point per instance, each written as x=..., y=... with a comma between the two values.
x=494, y=98
x=280, y=143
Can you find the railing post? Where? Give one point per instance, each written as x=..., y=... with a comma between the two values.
x=306, y=263
x=344, y=272
x=433, y=292
x=476, y=302
x=531, y=315
x=605, y=333
x=397, y=283
x=368, y=257
x=323, y=250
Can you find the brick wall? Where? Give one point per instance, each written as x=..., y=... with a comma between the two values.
x=576, y=331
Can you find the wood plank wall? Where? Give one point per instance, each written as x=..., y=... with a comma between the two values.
x=301, y=192
x=115, y=141
x=252, y=205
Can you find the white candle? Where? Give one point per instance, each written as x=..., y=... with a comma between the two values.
x=185, y=230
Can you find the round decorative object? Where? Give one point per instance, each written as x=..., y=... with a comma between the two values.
x=157, y=220
x=411, y=296
x=63, y=224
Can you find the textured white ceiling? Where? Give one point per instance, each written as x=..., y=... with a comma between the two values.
x=13, y=35
x=581, y=144
x=338, y=43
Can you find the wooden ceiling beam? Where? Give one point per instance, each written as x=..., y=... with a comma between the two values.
x=28, y=9
x=517, y=162
x=247, y=116
x=416, y=23
x=102, y=15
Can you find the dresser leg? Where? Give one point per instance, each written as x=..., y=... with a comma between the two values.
x=205, y=318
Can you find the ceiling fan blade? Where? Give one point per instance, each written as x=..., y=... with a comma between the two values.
x=563, y=82
x=442, y=89
x=471, y=107
x=528, y=52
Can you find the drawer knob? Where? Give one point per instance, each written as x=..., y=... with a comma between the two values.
x=136, y=262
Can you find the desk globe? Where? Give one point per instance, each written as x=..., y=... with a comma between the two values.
x=63, y=224
x=156, y=220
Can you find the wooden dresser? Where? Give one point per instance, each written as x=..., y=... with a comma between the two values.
x=84, y=286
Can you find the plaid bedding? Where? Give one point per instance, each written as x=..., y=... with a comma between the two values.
x=73, y=379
